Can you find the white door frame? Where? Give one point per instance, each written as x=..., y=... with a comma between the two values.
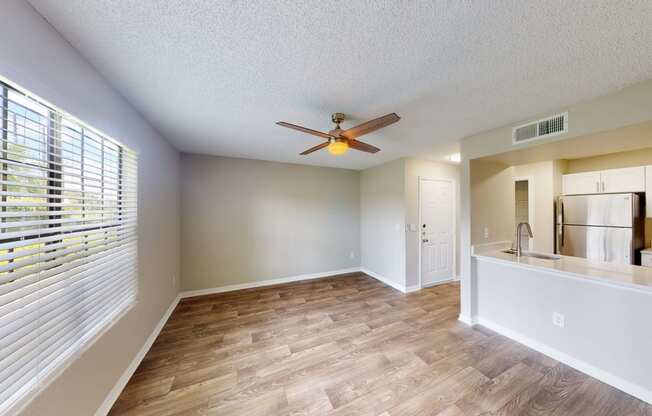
x=454, y=225
x=530, y=203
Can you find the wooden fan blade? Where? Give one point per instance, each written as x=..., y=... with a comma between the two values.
x=304, y=129
x=314, y=149
x=358, y=145
x=371, y=125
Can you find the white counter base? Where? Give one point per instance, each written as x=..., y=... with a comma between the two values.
x=608, y=324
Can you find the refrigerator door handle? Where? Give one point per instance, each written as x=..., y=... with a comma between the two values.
x=561, y=223
x=560, y=237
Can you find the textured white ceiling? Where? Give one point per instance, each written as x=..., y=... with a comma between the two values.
x=214, y=76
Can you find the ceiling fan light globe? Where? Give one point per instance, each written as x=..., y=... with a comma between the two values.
x=337, y=148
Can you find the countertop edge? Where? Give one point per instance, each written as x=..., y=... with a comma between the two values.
x=487, y=256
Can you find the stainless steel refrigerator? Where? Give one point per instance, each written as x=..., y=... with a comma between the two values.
x=604, y=227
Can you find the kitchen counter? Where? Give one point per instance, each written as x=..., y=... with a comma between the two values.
x=635, y=277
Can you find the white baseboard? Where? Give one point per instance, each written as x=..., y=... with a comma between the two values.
x=230, y=288
x=467, y=320
x=397, y=286
x=442, y=282
x=113, y=395
x=595, y=372
x=411, y=289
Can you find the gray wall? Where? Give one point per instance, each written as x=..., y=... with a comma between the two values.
x=34, y=56
x=246, y=221
x=493, y=201
x=382, y=225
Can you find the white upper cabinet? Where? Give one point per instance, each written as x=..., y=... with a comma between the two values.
x=648, y=192
x=606, y=181
x=581, y=183
x=624, y=180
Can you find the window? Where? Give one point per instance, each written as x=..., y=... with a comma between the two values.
x=68, y=240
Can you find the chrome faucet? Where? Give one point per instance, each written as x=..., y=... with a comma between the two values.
x=519, y=250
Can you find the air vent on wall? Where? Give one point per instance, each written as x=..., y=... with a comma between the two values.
x=540, y=129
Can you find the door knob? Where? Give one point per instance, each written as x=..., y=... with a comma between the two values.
x=425, y=240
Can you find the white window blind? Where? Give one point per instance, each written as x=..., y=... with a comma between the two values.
x=68, y=241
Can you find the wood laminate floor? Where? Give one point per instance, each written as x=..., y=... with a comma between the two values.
x=349, y=345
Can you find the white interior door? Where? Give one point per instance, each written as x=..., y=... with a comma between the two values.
x=436, y=205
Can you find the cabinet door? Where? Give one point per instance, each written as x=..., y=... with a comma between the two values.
x=646, y=260
x=581, y=183
x=648, y=193
x=624, y=180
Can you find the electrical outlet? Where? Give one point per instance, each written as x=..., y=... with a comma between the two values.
x=352, y=255
x=174, y=280
x=486, y=233
x=558, y=319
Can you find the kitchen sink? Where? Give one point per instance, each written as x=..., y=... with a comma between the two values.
x=533, y=254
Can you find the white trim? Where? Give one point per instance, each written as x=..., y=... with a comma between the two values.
x=113, y=395
x=442, y=282
x=465, y=319
x=230, y=288
x=414, y=288
x=454, y=223
x=530, y=204
x=595, y=372
x=397, y=286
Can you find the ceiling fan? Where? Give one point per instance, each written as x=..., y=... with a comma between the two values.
x=338, y=141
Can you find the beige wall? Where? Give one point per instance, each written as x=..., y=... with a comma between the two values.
x=543, y=177
x=640, y=157
x=559, y=167
x=382, y=220
x=34, y=56
x=492, y=202
x=626, y=107
x=415, y=168
x=247, y=221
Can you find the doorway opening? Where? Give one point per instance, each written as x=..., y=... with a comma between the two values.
x=524, y=209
